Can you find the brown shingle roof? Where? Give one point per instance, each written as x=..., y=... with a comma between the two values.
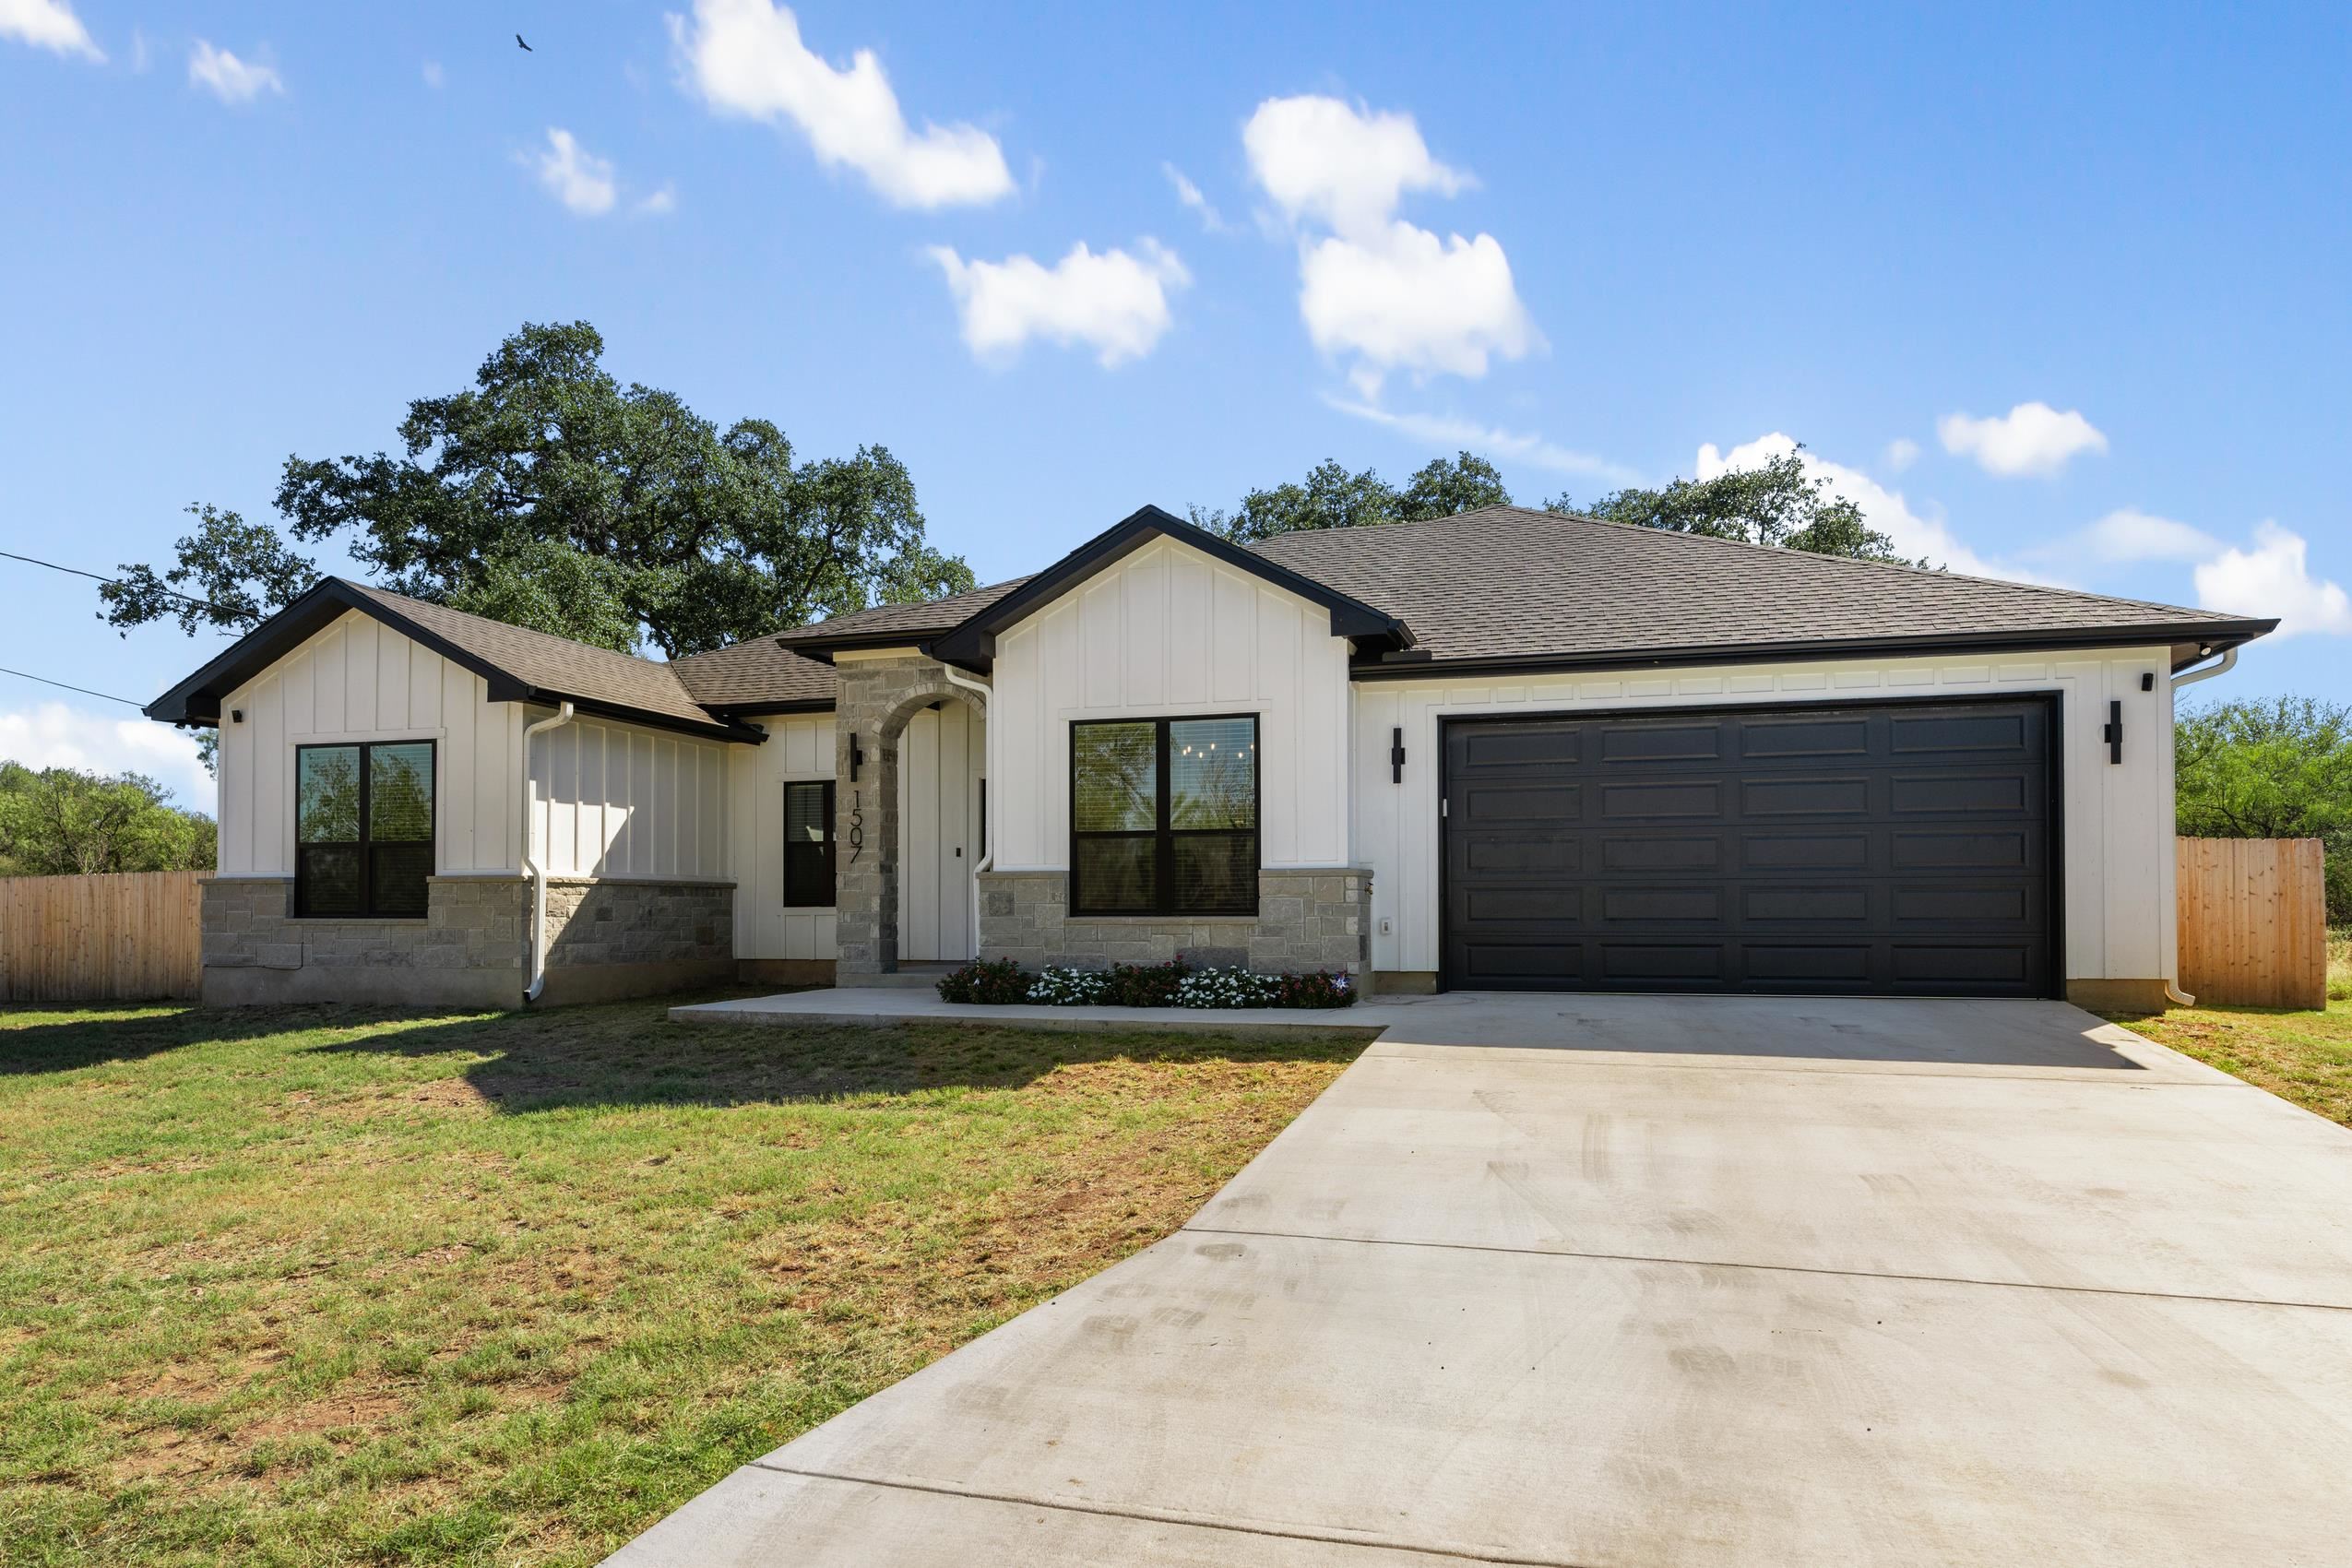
x=910, y=620
x=1506, y=582
x=555, y=665
x=747, y=677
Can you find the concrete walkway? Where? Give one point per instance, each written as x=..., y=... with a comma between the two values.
x=1587, y=1281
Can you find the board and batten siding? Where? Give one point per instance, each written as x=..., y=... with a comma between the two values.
x=358, y=680
x=799, y=747
x=625, y=803
x=1168, y=632
x=2121, y=921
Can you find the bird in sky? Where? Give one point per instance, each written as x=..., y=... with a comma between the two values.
x=524, y=47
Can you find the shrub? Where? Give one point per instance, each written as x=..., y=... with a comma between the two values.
x=1145, y=985
x=994, y=982
x=1322, y=989
x=1227, y=987
x=1069, y=988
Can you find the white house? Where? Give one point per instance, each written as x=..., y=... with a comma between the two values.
x=1505, y=749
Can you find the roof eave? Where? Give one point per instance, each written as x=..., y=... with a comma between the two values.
x=2189, y=641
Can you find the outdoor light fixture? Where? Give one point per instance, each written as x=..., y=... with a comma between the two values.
x=2113, y=734
x=857, y=758
x=1397, y=754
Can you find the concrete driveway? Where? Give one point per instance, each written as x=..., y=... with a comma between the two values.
x=1604, y=1281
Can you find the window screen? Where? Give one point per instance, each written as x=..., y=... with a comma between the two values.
x=808, y=845
x=364, y=829
x=1164, y=816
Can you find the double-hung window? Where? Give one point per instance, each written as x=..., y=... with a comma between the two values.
x=1164, y=816
x=363, y=830
x=808, y=844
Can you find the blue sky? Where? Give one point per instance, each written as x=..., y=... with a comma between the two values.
x=2059, y=294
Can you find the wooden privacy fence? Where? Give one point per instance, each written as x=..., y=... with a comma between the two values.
x=2253, y=922
x=130, y=938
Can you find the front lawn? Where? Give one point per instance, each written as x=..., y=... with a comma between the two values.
x=309, y=1286
x=2305, y=1057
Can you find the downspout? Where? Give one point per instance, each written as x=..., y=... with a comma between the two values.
x=532, y=868
x=988, y=711
x=2172, y=991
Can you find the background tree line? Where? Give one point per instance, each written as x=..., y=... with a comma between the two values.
x=63, y=822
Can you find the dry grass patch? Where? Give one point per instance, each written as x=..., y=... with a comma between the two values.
x=312, y=1286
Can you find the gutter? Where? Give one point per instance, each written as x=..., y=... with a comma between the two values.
x=2222, y=666
x=532, y=867
x=988, y=710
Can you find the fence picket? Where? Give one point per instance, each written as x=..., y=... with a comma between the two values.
x=2253, y=922
x=128, y=938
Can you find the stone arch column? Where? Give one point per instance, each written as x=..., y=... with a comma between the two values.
x=876, y=697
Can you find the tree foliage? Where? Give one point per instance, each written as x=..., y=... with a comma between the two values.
x=1331, y=497
x=63, y=822
x=2280, y=769
x=550, y=495
x=1776, y=504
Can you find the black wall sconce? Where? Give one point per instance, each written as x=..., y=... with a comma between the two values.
x=2113, y=734
x=1397, y=754
x=857, y=758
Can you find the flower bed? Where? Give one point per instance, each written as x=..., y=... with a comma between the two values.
x=1001, y=982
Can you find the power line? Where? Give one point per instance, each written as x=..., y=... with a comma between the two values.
x=98, y=577
x=45, y=681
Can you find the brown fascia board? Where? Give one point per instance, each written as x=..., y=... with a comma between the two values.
x=2189, y=641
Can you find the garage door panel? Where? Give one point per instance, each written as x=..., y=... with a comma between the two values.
x=1961, y=732
x=1891, y=847
x=1768, y=798
x=1664, y=852
x=1807, y=851
x=1661, y=798
x=1662, y=743
x=1701, y=902
x=1810, y=738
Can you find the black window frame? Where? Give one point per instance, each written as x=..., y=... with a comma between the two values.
x=1163, y=836
x=832, y=867
x=367, y=910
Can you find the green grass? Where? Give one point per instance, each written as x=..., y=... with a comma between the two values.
x=2302, y=1056
x=310, y=1286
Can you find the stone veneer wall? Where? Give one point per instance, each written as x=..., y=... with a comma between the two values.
x=605, y=940
x=468, y=951
x=609, y=939
x=1306, y=920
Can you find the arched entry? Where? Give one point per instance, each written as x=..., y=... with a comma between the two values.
x=882, y=777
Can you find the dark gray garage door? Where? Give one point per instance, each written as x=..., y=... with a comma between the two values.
x=1893, y=848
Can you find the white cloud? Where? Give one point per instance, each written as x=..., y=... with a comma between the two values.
x=1190, y=195
x=1439, y=430
x=575, y=177
x=659, y=202
x=1884, y=509
x=1344, y=168
x=745, y=57
x=1389, y=294
x=2274, y=577
x=432, y=73
x=51, y=734
x=1901, y=453
x=2032, y=438
x=1115, y=303
x=228, y=79
x=47, y=24
x=2128, y=534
